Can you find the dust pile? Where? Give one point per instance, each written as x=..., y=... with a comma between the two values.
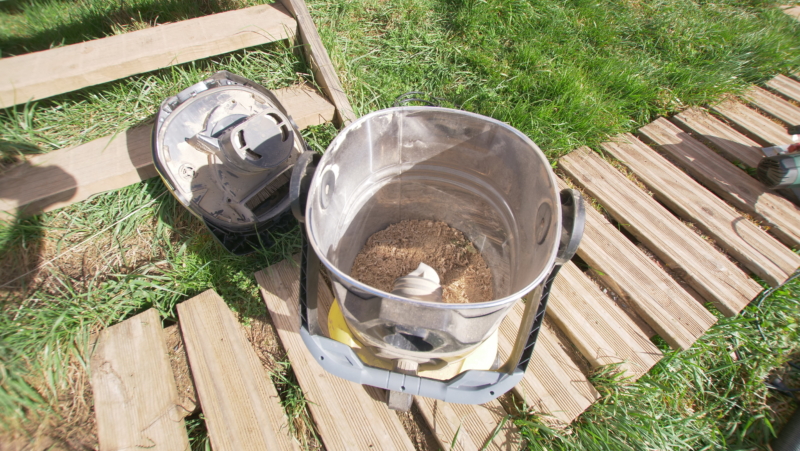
x=400, y=248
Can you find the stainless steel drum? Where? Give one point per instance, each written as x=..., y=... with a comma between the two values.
x=476, y=174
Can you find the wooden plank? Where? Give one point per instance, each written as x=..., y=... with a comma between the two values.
x=135, y=398
x=306, y=106
x=785, y=86
x=470, y=426
x=56, y=179
x=726, y=180
x=321, y=65
x=347, y=415
x=666, y=307
x=740, y=238
x=773, y=105
x=710, y=273
x=793, y=11
x=731, y=144
x=600, y=330
x=757, y=127
x=553, y=386
x=43, y=74
x=241, y=406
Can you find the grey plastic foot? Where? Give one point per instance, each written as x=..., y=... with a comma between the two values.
x=399, y=400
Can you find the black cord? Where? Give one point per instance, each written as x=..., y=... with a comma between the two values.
x=778, y=385
x=764, y=295
x=418, y=97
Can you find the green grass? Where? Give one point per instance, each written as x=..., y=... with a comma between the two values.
x=566, y=73
x=711, y=396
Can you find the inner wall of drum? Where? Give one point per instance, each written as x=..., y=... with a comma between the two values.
x=476, y=174
x=432, y=192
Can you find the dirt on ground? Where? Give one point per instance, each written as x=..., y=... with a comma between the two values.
x=71, y=427
x=187, y=396
x=420, y=435
x=399, y=249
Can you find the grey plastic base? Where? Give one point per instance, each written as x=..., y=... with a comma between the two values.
x=469, y=387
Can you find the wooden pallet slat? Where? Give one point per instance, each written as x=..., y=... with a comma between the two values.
x=773, y=105
x=321, y=65
x=348, y=416
x=731, y=144
x=598, y=328
x=553, y=385
x=468, y=427
x=793, y=11
x=59, y=178
x=740, y=238
x=135, y=397
x=726, y=180
x=43, y=74
x=240, y=404
x=752, y=124
x=666, y=307
x=710, y=273
x=785, y=86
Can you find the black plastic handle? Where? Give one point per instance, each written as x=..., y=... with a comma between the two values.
x=302, y=174
x=573, y=219
x=416, y=97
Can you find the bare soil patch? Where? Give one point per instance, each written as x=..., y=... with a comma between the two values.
x=417, y=430
x=187, y=396
x=71, y=426
x=398, y=250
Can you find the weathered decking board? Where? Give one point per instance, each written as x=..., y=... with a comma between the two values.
x=666, y=307
x=59, y=178
x=470, y=426
x=348, y=416
x=793, y=11
x=773, y=105
x=726, y=180
x=553, y=386
x=752, y=247
x=600, y=330
x=321, y=65
x=135, y=398
x=752, y=124
x=731, y=144
x=710, y=273
x=785, y=85
x=43, y=74
x=241, y=406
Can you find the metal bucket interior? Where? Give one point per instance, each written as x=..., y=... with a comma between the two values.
x=476, y=174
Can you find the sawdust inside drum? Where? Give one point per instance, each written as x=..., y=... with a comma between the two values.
x=397, y=250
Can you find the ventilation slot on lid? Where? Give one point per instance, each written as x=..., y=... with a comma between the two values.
x=270, y=195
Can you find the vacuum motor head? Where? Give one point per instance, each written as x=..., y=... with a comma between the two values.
x=780, y=171
x=225, y=148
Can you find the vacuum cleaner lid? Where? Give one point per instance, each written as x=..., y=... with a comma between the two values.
x=225, y=148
